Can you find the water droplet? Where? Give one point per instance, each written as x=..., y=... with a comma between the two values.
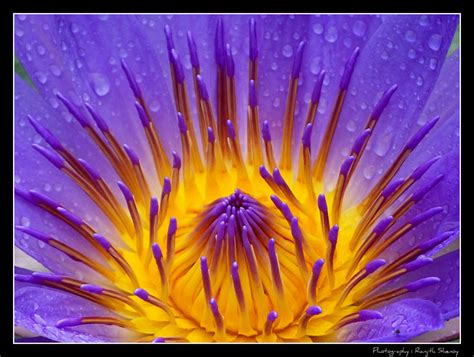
x=40, y=50
x=21, y=17
x=47, y=187
x=58, y=187
x=100, y=84
x=433, y=63
x=274, y=66
x=112, y=61
x=276, y=102
x=369, y=172
x=41, y=77
x=55, y=70
x=19, y=32
x=53, y=102
x=103, y=17
x=331, y=34
x=347, y=42
x=411, y=53
x=287, y=51
x=74, y=28
x=435, y=42
x=424, y=20
x=363, y=105
x=384, y=55
x=419, y=81
x=383, y=145
x=154, y=106
x=403, y=66
x=359, y=28
x=17, y=179
x=315, y=66
x=410, y=36
x=390, y=44
x=25, y=221
x=318, y=28
x=296, y=36
x=41, y=244
x=351, y=126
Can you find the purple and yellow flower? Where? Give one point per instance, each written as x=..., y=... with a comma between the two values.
x=236, y=178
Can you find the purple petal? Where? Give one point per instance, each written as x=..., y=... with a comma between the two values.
x=402, y=321
x=38, y=310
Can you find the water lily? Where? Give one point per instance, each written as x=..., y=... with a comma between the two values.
x=236, y=178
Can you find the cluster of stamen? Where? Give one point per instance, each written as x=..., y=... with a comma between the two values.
x=249, y=239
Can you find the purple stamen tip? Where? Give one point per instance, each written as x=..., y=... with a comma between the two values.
x=252, y=94
x=271, y=247
x=235, y=269
x=230, y=130
x=333, y=233
x=272, y=316
x=142, y=293
x=383, y=102
x=192, y=51
x=132, y=82
x=429, y=244
x=346, y=165
x=90, y=170
x=392, y=187
x=70, y=216
x=420, y=170
x=214, y=307
x=45, y=134
x=38, y=235
x=202, y=88
x=97, y=118
x=349, y=68
x=374, y=265
x=425, y=215
x=418, y=195
x=204, y=266
x=142, y=115
x=253, y=51
x=132, y=155
x=169, y=38
x=93, y=289
x=51, y=156
x=295, y=72
x=166, y=186
x=25, y=278
x=125, y=191
x=317, y=266
x=275, y=199
x=382, y=225
x=365, y=315
x=178, y=66
x=295, y=229
x=210, y=135
x=266, y=131
x=176, y=160
x=73, y=110
x=422, y=283
x=421, y=133
x=69, y=322
x=322, y=205
x=102, y=241
x=229, y=61
x=47, y=276
x=317, y=87
x=306, y=139
x=24, y=194
x=359, y=142
x=419, y=262
x=220, y=51
x=278, y=177
x=40, y=198
x=159, y=340
x=173, y=226
x=153, y=206
x=183, y=128
x=157, y=253
x=313, y=310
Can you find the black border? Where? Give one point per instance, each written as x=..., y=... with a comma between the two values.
x=7, y=348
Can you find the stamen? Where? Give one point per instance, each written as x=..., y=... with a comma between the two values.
x=158, y=255
x=309, y=313
x=268, y=328
x=142, y=182
x=299, y=253
x=170, y=242
x=323, y=215
x=254, y=154
x=267, y=139
x=237, y=155
x=253, y=50
x=132, y=207
x=332, y=238
x=313, y=281
x=145, y=296
x=268, y=179
x=206, y=281
x=164, y=200
x=390, y=173
x=239, y=294
x=341, y=188
x=280, y=181
x=362, y=315
x=220, y=334
x=98, y=290
x=288, y=121
x=76, y=321
x=305, y=164
x=283, y=207
x=230, y=89
x=320, y=162
x=175, y=176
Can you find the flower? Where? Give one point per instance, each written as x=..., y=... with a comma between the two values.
x=265, y=178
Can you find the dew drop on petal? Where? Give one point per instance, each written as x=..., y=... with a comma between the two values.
x=384, y=144
x=276, y=102
x=287, y=51
x=100, y=83
x=274, y=66
x=47, y=187
x=331, y=34
x=41, y=77
x=435, y=42
x=55, y=70
x=433, y=63
x=359, y=27
x=424, y=20
x=419, y=81
x=384, y=55
x=410, y=36
x=25, y=221
x=351, y=126
x=411, y=53
x=154, y=106
x=318, y=28
x=40, y=50
x=369, y=172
